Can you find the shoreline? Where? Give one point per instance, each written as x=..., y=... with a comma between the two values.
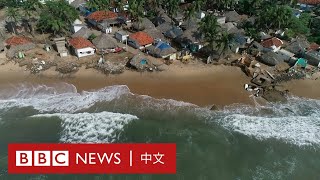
x=200, y=84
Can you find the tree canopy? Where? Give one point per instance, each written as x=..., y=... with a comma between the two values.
x=57, y=17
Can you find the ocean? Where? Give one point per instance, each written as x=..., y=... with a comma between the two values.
x=240, y=142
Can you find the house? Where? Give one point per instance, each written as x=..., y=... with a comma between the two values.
x=155, y=33
x=121, y=36
x=17, y=44
x=140, y=62
x=77, y=25
x=145, y=23
x=174, y=32
x=140, y=40
x=162, y=50
x=81, y=47
x=313, y=58
x=307, y=5
x=178, y=18
x=104, y=42
x=298, y=46
x=103, y=20
x=240, y=42
x=60, y=44
x=191, y=39
x=272, y=43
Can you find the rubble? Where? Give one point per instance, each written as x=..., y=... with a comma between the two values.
x=109, y=67
x=69, y=67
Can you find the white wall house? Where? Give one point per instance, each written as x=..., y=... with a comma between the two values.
x=84, y=52
x=81, y=47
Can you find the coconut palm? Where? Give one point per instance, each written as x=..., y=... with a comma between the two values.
x=136, y=9
x=223, y=42
x=172, y=7
x=57, y=17
x=14, y=16
x=210, y=29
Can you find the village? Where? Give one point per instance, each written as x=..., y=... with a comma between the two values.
x=144, y=36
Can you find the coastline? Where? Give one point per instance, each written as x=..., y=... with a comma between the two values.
x=203, y=85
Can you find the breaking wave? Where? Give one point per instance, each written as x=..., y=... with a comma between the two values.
x=62, y=98
x=91, y=127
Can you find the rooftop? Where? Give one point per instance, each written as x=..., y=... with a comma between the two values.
x=142, y=37
x=102, y=15
x=80, y=42
x=272, y=42
x=17, y=40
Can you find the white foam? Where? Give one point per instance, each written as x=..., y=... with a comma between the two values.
x=48, y=99
x=91, y=127
x=299, y=130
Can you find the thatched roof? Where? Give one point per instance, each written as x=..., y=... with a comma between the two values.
x=15, y=49
x=232, y=16
x=140, y=62
x=190, y=36
x=155, y=33
x=174, y=32
x=77, y=3
x=104, y=41
x=145, y=23
x=164, y=27
x=83, y=32
x=190, y=23
x=161, y=49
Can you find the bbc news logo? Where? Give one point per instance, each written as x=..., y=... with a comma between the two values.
x=92, y=158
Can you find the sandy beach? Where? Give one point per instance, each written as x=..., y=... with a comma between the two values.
x=200, y=84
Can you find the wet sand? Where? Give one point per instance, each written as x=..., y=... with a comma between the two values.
x=203, y=85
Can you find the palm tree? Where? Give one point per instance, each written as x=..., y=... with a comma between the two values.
x=14, y=15
x=224, y=42
x=210, y=29
x=57, y=17
x=97, y=5
x=172, y=7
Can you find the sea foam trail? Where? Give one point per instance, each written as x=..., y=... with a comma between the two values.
x=65, y=100
x=296, y=122
x=91, y=127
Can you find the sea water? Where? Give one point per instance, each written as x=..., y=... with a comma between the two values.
x=274, y=141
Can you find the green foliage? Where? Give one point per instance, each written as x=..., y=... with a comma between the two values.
x=251, y=30
x=99, y=5
x=136, y=9
x=172, y=7
x=57, y=17
x=210, y=29
x=91, y=37
x=275, y=17
x=300, y=26
x=13, y=14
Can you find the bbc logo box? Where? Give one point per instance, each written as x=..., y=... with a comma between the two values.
x=42, y=158
x=140, y=158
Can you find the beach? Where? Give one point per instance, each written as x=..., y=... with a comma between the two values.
x=200, y=84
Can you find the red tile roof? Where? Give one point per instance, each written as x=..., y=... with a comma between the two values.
x=80, y=42
x=272, y=42
x=314, y=46
x=18, y=40
x=142, y=37
x=102, y=15
x=311, y=2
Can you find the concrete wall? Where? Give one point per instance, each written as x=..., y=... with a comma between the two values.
x=84, y=52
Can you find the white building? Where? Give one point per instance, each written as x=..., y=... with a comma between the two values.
x=81, y=47
x=121, y=36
